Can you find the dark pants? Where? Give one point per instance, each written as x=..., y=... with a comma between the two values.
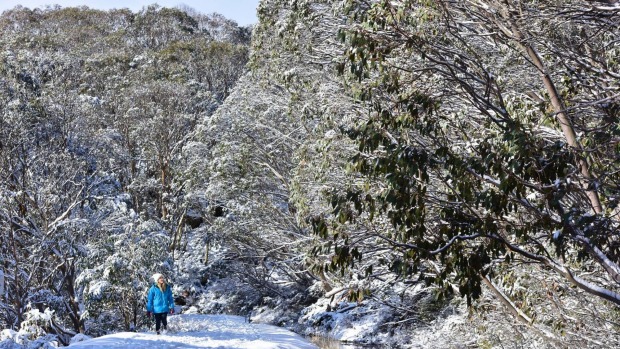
x=161, y=319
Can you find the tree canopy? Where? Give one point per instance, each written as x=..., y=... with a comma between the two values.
x=490, y=139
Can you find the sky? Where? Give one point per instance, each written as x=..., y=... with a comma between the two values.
x=193, y=331
x=241, y=11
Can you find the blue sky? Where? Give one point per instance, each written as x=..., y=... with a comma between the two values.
x=241, y=11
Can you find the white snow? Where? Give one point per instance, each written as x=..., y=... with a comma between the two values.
x=204, y=331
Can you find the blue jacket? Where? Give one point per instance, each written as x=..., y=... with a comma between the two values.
x=158, y=301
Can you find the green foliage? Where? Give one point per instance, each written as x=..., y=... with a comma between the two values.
x=461, y=169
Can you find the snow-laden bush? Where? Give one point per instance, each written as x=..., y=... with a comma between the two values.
x=36, y=323
x=80, y=337
x=33, y=332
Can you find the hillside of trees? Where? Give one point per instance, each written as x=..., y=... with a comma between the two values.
x=96, y=109
x=447, y=169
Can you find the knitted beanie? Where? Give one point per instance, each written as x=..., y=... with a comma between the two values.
x=156, y=277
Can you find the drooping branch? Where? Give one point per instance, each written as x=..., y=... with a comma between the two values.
x=590, y=288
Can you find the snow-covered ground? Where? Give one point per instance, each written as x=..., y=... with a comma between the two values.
x=203, y=331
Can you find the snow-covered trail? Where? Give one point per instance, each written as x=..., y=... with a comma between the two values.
x=191, y=331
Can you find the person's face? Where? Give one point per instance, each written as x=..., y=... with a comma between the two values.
x=160, y=280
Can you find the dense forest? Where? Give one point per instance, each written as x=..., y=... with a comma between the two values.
x=443, y=174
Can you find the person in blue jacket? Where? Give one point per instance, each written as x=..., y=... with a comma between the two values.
x=160, y=302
